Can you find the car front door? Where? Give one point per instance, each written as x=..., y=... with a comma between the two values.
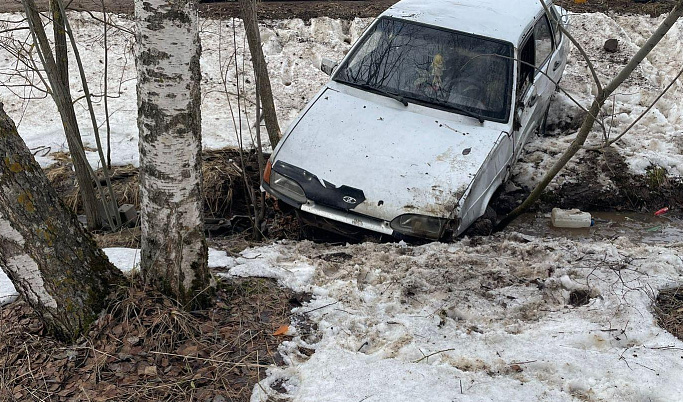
x=534, y=88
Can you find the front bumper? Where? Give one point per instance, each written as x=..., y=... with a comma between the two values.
x=359, y=221
x=349, y=219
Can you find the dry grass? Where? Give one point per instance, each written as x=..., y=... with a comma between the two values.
x=143, y=348
x=669, y=311
x=222, y=184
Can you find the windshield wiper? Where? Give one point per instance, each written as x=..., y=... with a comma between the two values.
x=458, y=109
x=379, y=91
x=393, y=96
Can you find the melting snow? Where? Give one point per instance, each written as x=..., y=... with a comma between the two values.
x=438, y=322
x=125, y=259
x=485, y=320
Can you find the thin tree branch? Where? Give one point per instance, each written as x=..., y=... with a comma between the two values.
x=610, y=142
x=576, y=43
x=110, y=206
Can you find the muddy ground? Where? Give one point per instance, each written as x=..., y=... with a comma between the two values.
x=268, y=9
x=307, y=9
x=628, y=192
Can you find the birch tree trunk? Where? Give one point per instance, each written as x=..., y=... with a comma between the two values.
x=51, y=260
x=174, y=252
x=249, y=16
x=57, y=73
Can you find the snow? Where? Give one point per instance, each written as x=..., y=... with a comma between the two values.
x=294, y=48
x=125, y=259
x=489, y=319
x=266, y=262
x=293, y=51
x=7, y=292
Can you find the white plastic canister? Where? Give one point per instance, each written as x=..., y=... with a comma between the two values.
x=572, y=218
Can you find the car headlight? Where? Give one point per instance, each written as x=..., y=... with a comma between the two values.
x=287, y=187
x=420, y=225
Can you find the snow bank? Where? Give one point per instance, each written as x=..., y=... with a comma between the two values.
x=7, y=292
x=125, y=259
x=270, y=262
x=485, y=320
x=293, y=50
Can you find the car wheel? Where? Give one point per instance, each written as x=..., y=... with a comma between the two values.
x=485, y=225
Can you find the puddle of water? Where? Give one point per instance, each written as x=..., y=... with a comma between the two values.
x=638, y=227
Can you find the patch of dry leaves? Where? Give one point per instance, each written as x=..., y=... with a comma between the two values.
x=143, y=348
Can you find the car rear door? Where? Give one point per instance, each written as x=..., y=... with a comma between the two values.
x=559, y=57
x=544, y=55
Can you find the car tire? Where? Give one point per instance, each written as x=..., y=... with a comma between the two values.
x=485, y=225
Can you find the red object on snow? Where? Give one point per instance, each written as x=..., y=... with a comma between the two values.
x=662, y=211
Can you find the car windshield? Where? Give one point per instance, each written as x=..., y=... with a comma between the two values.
x=469, y=74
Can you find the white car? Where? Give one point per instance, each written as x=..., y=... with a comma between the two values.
x=423, y=119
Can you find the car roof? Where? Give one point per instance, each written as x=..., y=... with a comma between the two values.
x=500, y=19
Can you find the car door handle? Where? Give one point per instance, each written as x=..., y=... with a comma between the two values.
x=556, y=65
x=532, y=100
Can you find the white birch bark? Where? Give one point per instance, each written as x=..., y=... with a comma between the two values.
x=174, y=252
x=24, y=271
x=50, y=259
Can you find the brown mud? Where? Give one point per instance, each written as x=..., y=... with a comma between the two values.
x=627, y=192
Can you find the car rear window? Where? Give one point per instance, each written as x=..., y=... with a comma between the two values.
x=433, y=66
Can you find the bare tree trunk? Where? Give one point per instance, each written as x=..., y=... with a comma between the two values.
x=57, y=73
x=174, y=251
x=61, y=50
x=594, y=110
x=249, y=16
x=51, y=260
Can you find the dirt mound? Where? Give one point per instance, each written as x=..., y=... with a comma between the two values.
x=629, y=192
x=653, y=8
x=143, y=348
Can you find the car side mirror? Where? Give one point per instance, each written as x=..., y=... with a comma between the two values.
x=328, y=66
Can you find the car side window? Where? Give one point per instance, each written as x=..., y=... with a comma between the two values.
x=526, y=66
x=543, y=38
x=555, y=23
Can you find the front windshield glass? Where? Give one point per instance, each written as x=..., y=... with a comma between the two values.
x=468, y=74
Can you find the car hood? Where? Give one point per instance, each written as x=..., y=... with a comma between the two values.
x=404, y=161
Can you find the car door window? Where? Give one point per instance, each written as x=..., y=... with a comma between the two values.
x=543, y=39
x=526, y=66
x=555, y=23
